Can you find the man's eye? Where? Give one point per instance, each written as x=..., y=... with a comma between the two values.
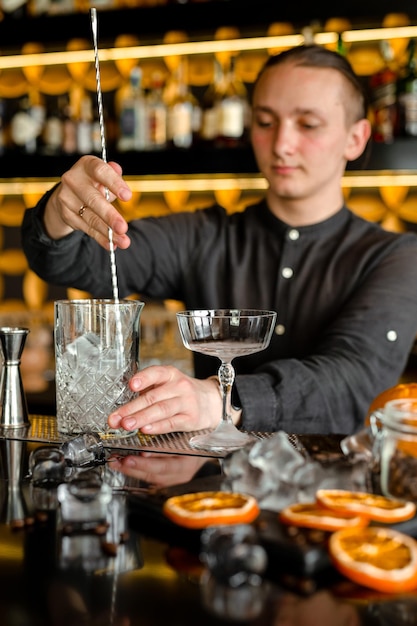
x=263, y=123
x=308, y=125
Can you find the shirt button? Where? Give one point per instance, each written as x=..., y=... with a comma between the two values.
x=293, y=234
x=279, y=329
x=392, y=335
x=287, y=272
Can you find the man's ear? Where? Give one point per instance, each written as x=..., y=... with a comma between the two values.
x=359, y=135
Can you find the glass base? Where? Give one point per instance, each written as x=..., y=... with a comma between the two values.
x=225, y=438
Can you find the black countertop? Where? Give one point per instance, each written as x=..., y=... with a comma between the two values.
x=149, y=572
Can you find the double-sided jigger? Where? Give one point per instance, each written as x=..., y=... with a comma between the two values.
x=13, y=406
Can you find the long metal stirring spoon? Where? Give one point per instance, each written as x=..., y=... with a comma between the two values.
x=119, y=333
x=94, y=28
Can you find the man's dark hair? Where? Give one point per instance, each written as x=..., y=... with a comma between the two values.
x=315, y=55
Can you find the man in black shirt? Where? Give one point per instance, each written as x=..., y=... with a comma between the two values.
x=345, y=290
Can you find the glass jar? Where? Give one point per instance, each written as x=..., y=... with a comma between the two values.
x=395, y=430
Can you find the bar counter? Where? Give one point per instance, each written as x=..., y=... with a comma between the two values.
x=141, y=569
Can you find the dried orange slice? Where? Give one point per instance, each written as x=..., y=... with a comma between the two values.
x=210, y=508
x=379, y=558
x=375, y=507
x=312, y=515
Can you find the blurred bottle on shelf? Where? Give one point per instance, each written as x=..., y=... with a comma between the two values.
x=132, y=114
x=3, y=140
x=341, y=46
x=407, y=94
x=38, y=7
x=53, y=128
x=58, y=7
x=383, y=96
x=156, y=114
x=96, y=142
x=69, y=127
x=85, y=126
x=209, y=106
x=14, y=9
x=27, y=124
x=232, y=109
x=183, y=110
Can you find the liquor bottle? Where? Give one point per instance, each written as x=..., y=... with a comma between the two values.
x=232, y=110
x=383, y=95
x=27, y=123
x=341, y=46
x=96, y=144
x=407, y=94
x=133, y=115
x=38, y=7
x=60, y=7
x=84, y=126
x=69, y=125
x=14, y=9
x=183, y=110
x=53, y=129
x=3, y=141
x=209, y=106
x=156, y=114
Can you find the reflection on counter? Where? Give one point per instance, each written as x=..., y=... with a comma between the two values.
x=113, y=574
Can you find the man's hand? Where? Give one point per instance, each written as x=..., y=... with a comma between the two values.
x=169, y=401
x=79, y=203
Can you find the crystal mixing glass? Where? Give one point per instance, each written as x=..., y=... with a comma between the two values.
x=96, y=354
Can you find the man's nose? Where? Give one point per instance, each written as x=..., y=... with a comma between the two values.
x=284, y=139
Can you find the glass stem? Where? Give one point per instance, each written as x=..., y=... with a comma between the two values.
x=226, y=377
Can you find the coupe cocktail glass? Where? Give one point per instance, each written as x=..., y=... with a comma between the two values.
x=225, y=334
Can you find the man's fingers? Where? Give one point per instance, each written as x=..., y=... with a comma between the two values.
x=153, y=375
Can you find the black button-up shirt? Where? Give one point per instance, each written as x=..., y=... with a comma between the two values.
x=345, y=292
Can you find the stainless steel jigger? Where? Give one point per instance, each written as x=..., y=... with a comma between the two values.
x=13, y=406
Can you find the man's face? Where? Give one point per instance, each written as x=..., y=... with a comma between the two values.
x=300, y=133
